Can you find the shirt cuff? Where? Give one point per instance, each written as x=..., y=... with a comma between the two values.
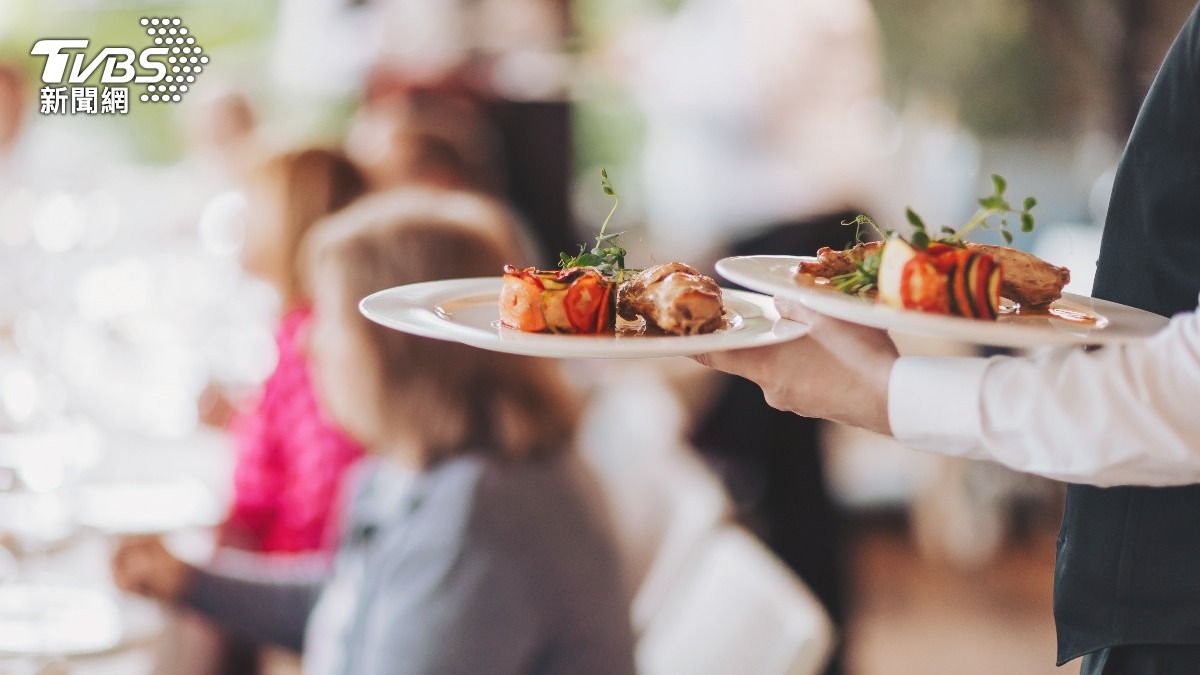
x=934, y=403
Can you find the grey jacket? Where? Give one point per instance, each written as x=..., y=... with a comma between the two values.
x=475, y=567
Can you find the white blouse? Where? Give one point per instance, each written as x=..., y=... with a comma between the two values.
x=1127, y=415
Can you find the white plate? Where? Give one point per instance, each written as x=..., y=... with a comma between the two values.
x=1115, y=323
x=467, y=311
x=51, y=620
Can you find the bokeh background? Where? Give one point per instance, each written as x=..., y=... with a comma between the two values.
x=126, y=324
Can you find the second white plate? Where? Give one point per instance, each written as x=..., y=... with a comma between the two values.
x=467, y=311
x=1114, y=323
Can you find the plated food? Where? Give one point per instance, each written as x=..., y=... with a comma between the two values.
x=946, y=274
x=591, y=307
x=593, y=293
x=1022, y=277
x=940, y=285
x=464, y=310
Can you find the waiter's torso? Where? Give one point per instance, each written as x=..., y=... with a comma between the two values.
x=1128, y=569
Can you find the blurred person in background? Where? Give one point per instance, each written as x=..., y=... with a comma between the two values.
x=761, y=138
x=291, y=457
x=471, y=542
x=12, y=113
x=1119, y=424
x=440, y=138
x=757, y=115
x=412, y=159
x=396, y=144
x=222, y=135
x=499, y=67
x=12, y=103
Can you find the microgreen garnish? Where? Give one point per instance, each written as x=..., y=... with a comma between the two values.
x=859, y=221
x=864, y=277
x=920, y=238
x=996, y=205
x=607, y=255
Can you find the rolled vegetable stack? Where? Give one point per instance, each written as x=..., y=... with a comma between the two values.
x=575, y=300
x=942, y=279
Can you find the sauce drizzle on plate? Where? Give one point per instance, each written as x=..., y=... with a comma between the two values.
x=1072, y=316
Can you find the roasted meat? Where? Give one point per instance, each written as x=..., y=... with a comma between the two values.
x=673, y=297
x=830, y=263
x=1028, y=280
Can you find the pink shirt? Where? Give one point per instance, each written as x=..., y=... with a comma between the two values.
x=291, y=457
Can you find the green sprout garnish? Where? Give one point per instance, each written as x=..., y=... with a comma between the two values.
x=865, y=276
x=993, y=206
x=607, y=255
x=863, y=279
x=862, y=219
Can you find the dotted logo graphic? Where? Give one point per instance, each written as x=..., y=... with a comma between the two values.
x=185, y=59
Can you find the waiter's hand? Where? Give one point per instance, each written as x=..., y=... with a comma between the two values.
x=144, y=566
x=838, y=370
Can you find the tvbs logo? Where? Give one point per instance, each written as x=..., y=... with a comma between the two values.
x=168, y=69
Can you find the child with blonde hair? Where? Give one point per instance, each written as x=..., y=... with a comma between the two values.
x=472, y=541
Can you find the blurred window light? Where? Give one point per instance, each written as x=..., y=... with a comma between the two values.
x=243, y=354
x=1076, y=246
x=528, y=75
x=59, y=225
x=41, y=460
x=43, y=474
x=20, y=394
x=164, y=412
x=109, y=291
x=32, y=333
x=16, y=210
x=1100, y=194
x=222, y=225
x=104, y=215
x=82, y=353
x=189, y=283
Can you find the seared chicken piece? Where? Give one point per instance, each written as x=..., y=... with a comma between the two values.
x=831, y=263
x=673, y=297
x=1026, y=279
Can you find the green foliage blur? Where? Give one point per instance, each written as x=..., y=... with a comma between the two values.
x=1028, y=67
x=984, y=54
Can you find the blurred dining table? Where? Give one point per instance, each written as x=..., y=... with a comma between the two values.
x=64, y=615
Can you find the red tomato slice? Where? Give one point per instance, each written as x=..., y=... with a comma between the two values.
x=587, y=303
x=923, y=287
x=944, y=257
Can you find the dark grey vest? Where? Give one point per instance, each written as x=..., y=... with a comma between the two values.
x=1128, y=569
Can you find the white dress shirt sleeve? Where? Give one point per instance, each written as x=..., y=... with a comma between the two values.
x=1117, y=416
